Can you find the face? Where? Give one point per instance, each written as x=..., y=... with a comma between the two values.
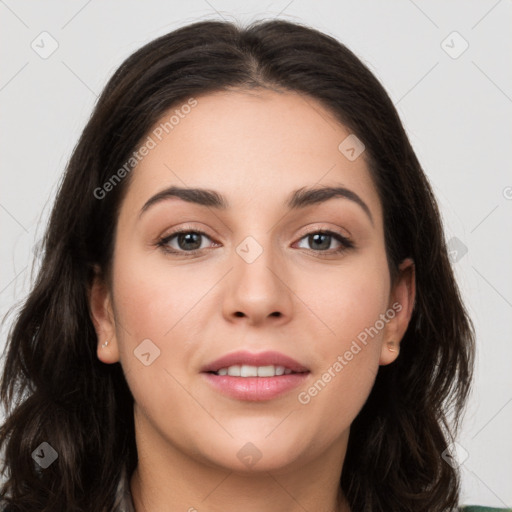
x=254, y=273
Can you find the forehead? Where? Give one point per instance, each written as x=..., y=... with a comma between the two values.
x=253, y=146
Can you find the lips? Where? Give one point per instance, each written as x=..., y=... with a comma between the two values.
x=245, y=358
x=234, y=375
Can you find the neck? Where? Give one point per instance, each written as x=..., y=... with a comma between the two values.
x=240, y=493
x=166, y=479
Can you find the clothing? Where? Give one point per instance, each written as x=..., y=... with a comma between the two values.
x=472, y=508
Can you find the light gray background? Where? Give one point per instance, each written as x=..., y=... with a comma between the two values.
x=457, y=113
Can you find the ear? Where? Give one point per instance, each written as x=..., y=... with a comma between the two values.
x=102, y=316
x=401, y=302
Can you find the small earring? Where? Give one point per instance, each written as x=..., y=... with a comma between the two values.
x=391, y=345
x=105, y=344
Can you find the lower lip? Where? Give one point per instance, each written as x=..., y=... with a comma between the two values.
x=255, y=388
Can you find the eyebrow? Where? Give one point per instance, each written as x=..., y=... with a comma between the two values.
x=300, y=198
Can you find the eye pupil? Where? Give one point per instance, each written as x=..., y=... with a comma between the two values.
x=191, y=237
x=316, y=240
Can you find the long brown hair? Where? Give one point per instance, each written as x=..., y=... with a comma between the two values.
x=55, y=389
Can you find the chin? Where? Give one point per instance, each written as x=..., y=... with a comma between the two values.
x=256, y=453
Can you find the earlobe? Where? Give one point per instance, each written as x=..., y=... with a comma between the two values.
x=101, y=311
x=402, y=299
x=389, y=353
x=392, y=347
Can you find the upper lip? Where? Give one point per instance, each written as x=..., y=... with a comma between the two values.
x=254, y=359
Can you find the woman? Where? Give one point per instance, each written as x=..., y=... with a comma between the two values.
x=302, y=354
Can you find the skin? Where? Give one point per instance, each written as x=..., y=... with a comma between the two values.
x=255, y=148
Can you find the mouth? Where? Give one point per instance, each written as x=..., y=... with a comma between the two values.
x=254, y=377
x=246, y=370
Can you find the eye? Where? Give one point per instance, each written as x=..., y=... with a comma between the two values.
x=320, y=241
x=189, y=242
x=186, y=241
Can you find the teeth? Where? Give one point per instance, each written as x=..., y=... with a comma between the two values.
x=234, y=371
x=246, y=370
x=266, y=371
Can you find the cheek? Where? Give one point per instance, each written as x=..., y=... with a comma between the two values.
x=161, y=310
x=346, y=303
x=154, y=318
x=153, y=300
x=348, y=362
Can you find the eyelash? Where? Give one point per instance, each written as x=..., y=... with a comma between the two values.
x=346, y=244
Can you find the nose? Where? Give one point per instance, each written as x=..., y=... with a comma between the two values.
x=257, y=290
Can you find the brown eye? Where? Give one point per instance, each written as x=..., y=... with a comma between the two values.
x=183, y=241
